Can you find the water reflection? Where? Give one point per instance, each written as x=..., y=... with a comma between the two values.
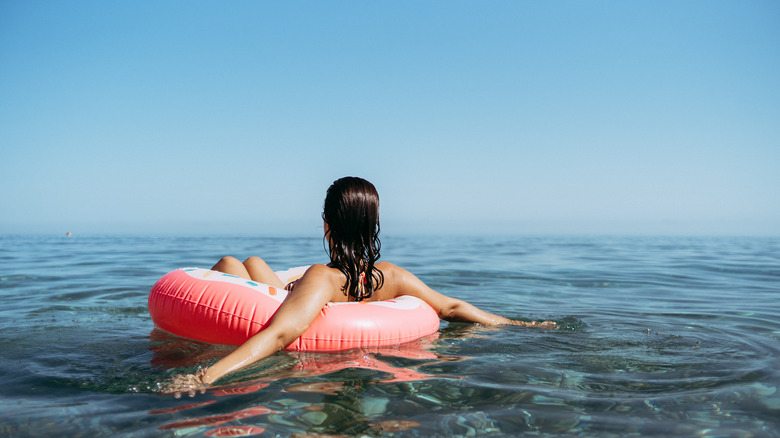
x=181, y=408
x=346, y=401
x=173, y=352
x=216, y=420
x=169, y=351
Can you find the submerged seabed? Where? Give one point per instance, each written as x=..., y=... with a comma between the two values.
x=659, y=336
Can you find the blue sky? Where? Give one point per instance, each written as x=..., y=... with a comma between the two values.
x=657, y=117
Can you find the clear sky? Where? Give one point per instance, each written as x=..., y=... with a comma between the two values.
x=521, y=117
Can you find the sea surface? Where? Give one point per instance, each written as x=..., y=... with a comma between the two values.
x=659, y=336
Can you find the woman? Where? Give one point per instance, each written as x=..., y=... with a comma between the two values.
x=351, y=222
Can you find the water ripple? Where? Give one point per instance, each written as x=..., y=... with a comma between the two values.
x=658, y=336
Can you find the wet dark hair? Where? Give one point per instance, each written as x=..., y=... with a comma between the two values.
x=351, y=211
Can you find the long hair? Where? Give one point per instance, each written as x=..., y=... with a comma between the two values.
x=351, y=211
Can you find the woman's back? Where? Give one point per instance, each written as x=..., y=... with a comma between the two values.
x=396, y=282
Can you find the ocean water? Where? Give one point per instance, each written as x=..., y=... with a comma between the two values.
x=658, y=336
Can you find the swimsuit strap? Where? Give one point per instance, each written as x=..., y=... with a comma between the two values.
x=362, y=281
x=361, y=288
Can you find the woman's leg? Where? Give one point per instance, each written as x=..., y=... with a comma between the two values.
x=253, y=268
x=259, y=270
x=232, y=266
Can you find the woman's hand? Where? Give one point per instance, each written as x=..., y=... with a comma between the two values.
x=537, y=324
x=187, y=383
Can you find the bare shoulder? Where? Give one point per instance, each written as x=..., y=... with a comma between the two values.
x=393, y=274
x=321, y=277
x=323, y=273
x=319, y=269
x=397, y=281
x=387, y=267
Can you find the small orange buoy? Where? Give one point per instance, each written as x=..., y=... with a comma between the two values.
x=68, y=233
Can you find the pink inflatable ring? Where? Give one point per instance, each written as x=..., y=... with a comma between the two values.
x=218, y=308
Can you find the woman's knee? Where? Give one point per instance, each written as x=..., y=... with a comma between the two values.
x=255, y=261
x=228, y=260
x=226, y=263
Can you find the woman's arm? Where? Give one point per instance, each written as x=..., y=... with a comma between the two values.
x=294, y=316
x=459, y=310
x=448, y=308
